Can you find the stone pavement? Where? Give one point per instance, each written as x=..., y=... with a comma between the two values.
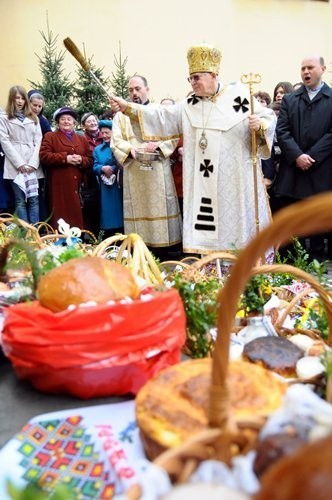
x=19, y=401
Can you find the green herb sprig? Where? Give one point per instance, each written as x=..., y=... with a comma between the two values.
x=200, y=304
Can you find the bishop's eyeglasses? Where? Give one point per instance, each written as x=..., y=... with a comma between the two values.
x=195, y=78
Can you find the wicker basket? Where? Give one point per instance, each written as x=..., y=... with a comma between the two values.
x=199, y=272
x=131, y=251
x=32, y=233
x=193, y=273
x=314, y=285
x=306, y=217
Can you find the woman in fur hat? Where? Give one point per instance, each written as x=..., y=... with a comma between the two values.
x=66, y=156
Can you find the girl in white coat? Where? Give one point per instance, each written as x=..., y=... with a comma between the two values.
x=20, y=138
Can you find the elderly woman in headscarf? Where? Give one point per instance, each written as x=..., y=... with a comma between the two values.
x=106, y=168
x=89, y=122
x=91, y=198
x=66, y=156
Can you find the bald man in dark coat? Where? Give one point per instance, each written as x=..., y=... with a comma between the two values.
x=304, y=131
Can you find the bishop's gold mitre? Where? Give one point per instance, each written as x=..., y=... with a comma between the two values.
x=203, y=58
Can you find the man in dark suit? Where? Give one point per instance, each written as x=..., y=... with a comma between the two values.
x=304, y=131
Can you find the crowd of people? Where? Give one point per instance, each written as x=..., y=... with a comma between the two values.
x=205, y=188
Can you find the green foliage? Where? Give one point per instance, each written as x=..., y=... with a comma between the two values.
x=299, y=257
x=101, y=236
x=34, y=492
x=316, y=320
x=55, y=85
x=85, y=94
x=89, y=96
x=8, y=253
x=258, y=288
x=17, y=258
x=281, y=279
x=199, y=300
x=19, y=254
x=120, y=79
x=256, y=294
x=327, y=362
x=49, y=260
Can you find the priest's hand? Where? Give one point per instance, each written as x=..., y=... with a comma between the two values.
x=118, y=104
x=133, y=153
x=254, y=123
x=151, y=146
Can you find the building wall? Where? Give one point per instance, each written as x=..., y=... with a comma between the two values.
x=269, y=37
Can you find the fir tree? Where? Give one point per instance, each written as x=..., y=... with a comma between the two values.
x=89, y=96
x=55, y=86
x=120, y=79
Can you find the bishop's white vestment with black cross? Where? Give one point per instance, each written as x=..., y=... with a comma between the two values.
x=218, y=183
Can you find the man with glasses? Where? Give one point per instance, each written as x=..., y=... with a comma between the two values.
x=224, y=205
x=150, y=202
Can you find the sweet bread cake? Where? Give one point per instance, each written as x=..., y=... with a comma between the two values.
x=275, y=353
x=173, y=406
x=85, y=279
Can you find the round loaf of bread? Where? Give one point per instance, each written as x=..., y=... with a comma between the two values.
x=173, y=406
x=85, y=279
x=275, y=353
x=304, y=475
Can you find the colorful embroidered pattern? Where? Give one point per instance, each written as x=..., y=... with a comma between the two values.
x=64, y=451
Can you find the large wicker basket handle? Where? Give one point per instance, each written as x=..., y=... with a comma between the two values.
x=306, y=217
x=108, y=242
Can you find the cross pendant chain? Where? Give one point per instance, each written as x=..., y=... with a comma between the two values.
x=203, y=142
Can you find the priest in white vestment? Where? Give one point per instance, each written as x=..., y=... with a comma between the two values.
x=223, y=206
x=150, y=202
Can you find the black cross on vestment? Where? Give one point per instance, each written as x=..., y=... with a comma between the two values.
x=241, y=104
x=206, y=167
x=193, y=99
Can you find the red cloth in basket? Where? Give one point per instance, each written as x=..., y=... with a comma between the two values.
x=95, y=351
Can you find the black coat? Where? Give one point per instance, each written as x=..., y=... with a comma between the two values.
x=305, y=126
